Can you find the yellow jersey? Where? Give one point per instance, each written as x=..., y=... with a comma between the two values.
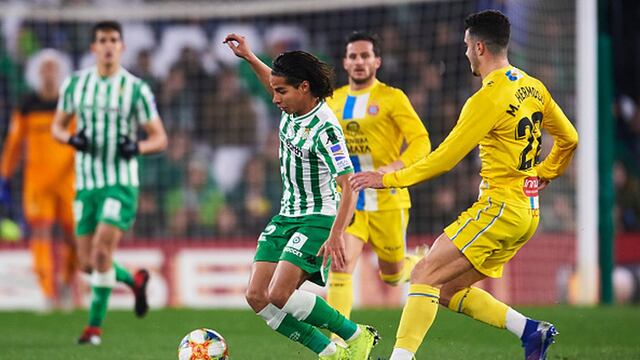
x=505, y=118
x=376, y=122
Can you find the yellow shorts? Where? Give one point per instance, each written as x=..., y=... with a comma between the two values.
x=386, y=231
x=490, y=233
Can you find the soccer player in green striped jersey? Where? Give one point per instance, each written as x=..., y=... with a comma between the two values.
x=297, y=244
x=109, y=104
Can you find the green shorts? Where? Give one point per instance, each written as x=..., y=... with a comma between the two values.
x=297, y=240
x=113, y=205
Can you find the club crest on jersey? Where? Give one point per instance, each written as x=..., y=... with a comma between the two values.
x=373, y=109
x=513, y=74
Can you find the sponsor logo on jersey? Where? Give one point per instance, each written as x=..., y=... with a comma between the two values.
x=373, y=109
x=297, y=152
x=530, y=187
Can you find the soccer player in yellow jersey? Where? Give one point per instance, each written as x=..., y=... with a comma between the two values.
x=505, y=118
x=376, y=119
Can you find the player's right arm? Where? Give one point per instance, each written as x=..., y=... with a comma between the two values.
x=243, y=51
x=565, y=141
x=64, y=115
x=13, y=146
x=475, y=122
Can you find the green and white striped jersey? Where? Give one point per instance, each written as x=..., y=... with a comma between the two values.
x=106, y=108
x=312, y=154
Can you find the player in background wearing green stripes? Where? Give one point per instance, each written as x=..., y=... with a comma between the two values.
x=109, y=104
x=298, y=242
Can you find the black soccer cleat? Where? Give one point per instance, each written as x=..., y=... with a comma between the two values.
x=140, y=281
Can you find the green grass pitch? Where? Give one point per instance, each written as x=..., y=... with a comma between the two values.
x=585, y=333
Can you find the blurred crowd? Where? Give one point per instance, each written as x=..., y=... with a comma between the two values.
x=220, y=175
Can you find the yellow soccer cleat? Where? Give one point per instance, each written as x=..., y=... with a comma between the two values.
x=341, y=353
x=360, y=347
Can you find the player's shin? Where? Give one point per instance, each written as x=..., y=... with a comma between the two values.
x=418, y=315
x=296, y=330
x=101, y=284
x=313, y=310
x=123, y=275
x=479, y=305
x=340, y=292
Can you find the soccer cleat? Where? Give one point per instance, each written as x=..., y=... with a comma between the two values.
x=90, y=336
x=538, y=342
x=140, y=280
x=340, y=354
x=360, y=347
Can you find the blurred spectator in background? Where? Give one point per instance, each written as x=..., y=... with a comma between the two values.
x=193, y=208
x=47, y=199
x=228, y=125
x=161, y=174
x=628, y=195
x=175, y=102
x=257, y=198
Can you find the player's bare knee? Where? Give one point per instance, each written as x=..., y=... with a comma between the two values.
x=257, y=299
x=279, y=297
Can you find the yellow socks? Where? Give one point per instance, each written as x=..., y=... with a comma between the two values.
x=417, y=316
x=480, y=305
x=403, y=275
x=340, y=292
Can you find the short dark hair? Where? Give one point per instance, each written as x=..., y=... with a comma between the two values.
x=298, y=66
x=363, y=36
x=491, y=26
x=108, y=25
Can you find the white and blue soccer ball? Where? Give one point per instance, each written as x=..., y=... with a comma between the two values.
x=203, y=344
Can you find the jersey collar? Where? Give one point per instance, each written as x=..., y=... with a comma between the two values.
x=103, y=78
x=308, y=114
x=368, y=89
x=493, y=76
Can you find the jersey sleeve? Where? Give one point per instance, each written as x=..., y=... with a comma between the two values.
x=565, y=141
x=12, y=146
x=65, y=100
x=412, y=128
x=332, y=149
x=146, y=109
x=477, y=118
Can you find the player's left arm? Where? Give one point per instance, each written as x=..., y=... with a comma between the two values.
x=156, y=140
x=147, y=114
x=565, y=141
x=332, y=150
x=413, y=130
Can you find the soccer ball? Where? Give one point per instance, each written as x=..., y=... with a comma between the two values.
x=203, y=344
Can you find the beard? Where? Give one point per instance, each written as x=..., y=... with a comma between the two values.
x=362, y=80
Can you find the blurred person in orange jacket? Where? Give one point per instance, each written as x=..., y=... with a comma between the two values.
x=48, y=182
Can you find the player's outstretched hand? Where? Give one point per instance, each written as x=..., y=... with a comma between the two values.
x=366, y=179
x=79, y=140
x=127, y=147
x=238, y=44
x=334, y=247
x=543, y=184
x=5, y=192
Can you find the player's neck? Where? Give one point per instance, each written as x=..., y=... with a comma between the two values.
x=307, y=107
x=107, y=70
x=354, y=86
x=493, y=65
x=49, y=94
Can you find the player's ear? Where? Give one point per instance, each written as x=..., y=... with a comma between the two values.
x=480, y=48
x=305, y=87
x=378, y=62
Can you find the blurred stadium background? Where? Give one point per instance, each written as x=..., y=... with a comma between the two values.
x=204, y=201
